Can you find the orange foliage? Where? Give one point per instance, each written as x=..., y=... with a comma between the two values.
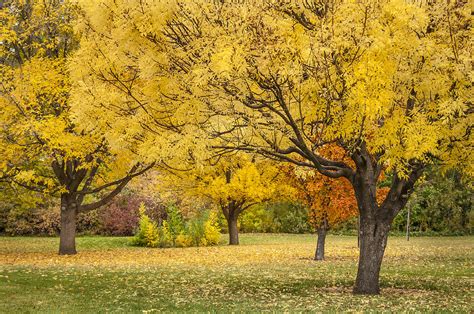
x=329, y=201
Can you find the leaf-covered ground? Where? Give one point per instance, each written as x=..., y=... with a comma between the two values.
x=265, y=273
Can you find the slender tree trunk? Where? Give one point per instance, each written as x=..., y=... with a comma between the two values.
x=408, y=224
x=373, y=240
x=322, y=230
x=67, y=236
x=233, y=230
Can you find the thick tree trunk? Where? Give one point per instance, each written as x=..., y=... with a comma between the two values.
x=319, y=255
x=233, y=230
x=67, y=236
x=373, y=240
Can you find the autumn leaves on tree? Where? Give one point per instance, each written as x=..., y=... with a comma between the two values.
x=385, y=82
x=329, y=201
x=347, y=89
x=43, y=150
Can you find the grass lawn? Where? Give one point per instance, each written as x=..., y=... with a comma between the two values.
x=266, y=272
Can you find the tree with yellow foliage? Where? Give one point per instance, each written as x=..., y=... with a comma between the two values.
x=389, y=82
x=42, y=149
x=124, y=68
x=233, y=184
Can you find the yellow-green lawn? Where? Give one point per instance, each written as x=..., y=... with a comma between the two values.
x=267, y=272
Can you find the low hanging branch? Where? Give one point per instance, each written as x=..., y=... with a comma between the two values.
x=120, y=184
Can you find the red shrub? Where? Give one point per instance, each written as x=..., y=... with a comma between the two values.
x=120, y=217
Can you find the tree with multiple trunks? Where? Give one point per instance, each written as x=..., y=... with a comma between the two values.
x=42, y=149
x=389, y=82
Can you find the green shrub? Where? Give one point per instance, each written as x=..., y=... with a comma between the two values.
x=147, y=233
x=202, y=230
x=285, y=217
x=440, y=204
x=195, y=229
x=174, y=224
x=257, y=219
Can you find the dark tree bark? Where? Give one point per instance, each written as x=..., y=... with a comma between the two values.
x=322, y=231
x=375, y=220
x=373, y=240
x=67, y=236
x=231, y=212
x=408, y=225
x=233, y=231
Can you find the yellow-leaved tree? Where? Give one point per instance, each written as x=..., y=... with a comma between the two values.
x=234, y=183
x=42, y=149
x=389, y=82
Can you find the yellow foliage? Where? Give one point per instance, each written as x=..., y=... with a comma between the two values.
x=151, y=235
x=212, y=233
x=183, y=240
x=36, y=41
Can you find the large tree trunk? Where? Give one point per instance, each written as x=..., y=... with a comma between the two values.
x=373, y=240
x=233, y=230
x=67, y=236
x=322, y=231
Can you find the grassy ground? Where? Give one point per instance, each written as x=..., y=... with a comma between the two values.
x=266, y=272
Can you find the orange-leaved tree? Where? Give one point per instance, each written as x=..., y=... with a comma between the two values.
x=329, y=201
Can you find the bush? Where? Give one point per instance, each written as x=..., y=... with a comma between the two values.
x=174, y=224
x=49, y=222
x=120, y=217
x=89, y=223
x=257, y=219
x=290, y=218
x=212, y=234
x=147, y=232
x=279, y=217
x=152, y=235
x=202, y=230
x=441, y=204
x=119, y=220
x=20, y=221
x=195, y=230
x=183, y=240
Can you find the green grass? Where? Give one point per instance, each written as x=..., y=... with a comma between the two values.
x=265, y=273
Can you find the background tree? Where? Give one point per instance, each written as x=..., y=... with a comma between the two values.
x=440, y=203
x=233, y=184
x=329, y=201
x=42, y=149
x=388, y=82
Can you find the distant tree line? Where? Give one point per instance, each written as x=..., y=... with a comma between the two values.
x=440, y=205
